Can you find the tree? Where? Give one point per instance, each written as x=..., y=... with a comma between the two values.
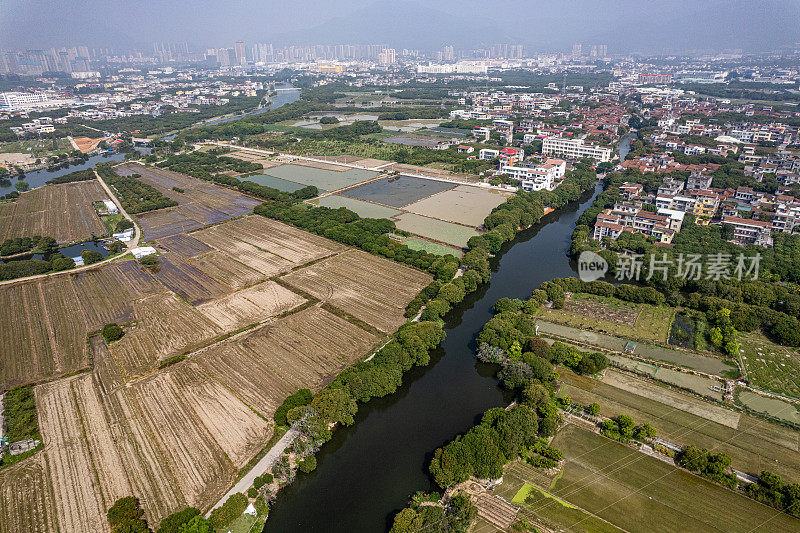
x=232, y=509
x=127, y=516
x=22, y=186
x=171, y=523
x=301, y=397
x=308, y=464
x=593, y=409
x=335, y=405
x=112, y=332
x=515, y=375
x=91, y=256
x=198, y=524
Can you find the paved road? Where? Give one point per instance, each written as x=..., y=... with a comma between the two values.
x=264, y=465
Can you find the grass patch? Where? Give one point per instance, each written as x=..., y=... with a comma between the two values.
x=754, y=445
x=770, y=366
x=635, y=321
x=21, y=420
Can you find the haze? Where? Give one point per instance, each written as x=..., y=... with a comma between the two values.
x=628, y=26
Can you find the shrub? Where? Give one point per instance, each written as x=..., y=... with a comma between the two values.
x=21, y=420
x=173, y=522
x=149, y=261
x=127, y=516
x=112, y=332
x=308, y=464
x=91, y=256
x=299, y=398
x=229, y=511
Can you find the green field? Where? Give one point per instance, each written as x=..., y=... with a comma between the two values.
x=522, y=485
x=431, y=247
x=704, y=363
x=770, y=366
x=776, y=407
x=642, y=322
x=39, y=148
x=754, y=444
x=641, y=493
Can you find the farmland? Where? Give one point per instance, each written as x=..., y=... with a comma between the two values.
x=463, y=205
x=62, y=211
x=364, y=209
x=631, y=489
x=323, y=179
x=643, y=322
x=119, y=419
x=26, y=501
x=362, y=285
x=754, y=444
x=200, y=204
x=770, y=366
x=398, y=191
x=437, y=230
x=305, y=349
x=704, y=363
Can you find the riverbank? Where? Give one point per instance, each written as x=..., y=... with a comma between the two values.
x=393, y=437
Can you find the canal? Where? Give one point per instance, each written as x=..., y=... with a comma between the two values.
x=366, y=473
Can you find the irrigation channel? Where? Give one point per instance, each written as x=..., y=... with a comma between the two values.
x=366, y=473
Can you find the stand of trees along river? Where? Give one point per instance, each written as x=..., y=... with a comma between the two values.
x=366, y=473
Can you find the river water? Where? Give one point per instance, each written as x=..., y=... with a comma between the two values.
x=39, y=177
x=366, y=473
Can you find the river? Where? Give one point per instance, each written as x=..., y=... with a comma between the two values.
x=39, y=177
x=366, y=473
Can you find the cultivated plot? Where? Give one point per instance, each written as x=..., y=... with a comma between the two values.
x=362, y=208
x=324, y=180
x=165, y=326
x=398, y=191
x=754, y=445
x=201, y=203
x=62, y=211
x=649, y=491
x=416, y=243
x=771, y=406
x=251, y=306
x=437, y=230
x=704, y=363
x=370, y=288
x=26, y=500
x=305, y=349
x=464, y=205
x=770, y=366
x=276, y=183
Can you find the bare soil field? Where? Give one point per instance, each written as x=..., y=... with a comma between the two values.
x=187, y=281
x=185, y=245
x=78, y=499
x=86, y=144
x=305, y=349
x=265, y=245
x=165, y=326
x=63, y=211
x=463, y=205
x=370, y=288
x=201, y=467
x=250, y=306
x=46, y=320
x=26, y=501
x=369, y=162
x=677, y=400
x=201, y=203
x=225, y=269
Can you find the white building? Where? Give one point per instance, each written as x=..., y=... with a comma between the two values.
x=13, y=100
x=575, y=149
x=487, y=154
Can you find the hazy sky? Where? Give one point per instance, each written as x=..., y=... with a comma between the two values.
x=541, y=25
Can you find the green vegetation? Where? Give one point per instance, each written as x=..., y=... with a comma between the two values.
x=78, y=175
x=149, y=261
x=624, y=429
x=135, y=195
x=174, y=522
x=21, y=420
x=771, y=490
x=228, y=511
x=770, y=366
x=112, y=332
x=713, y=466
x=299, y=398
x=91, y=256
x=127, y=516
x=456, y=517
x=35, y=244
